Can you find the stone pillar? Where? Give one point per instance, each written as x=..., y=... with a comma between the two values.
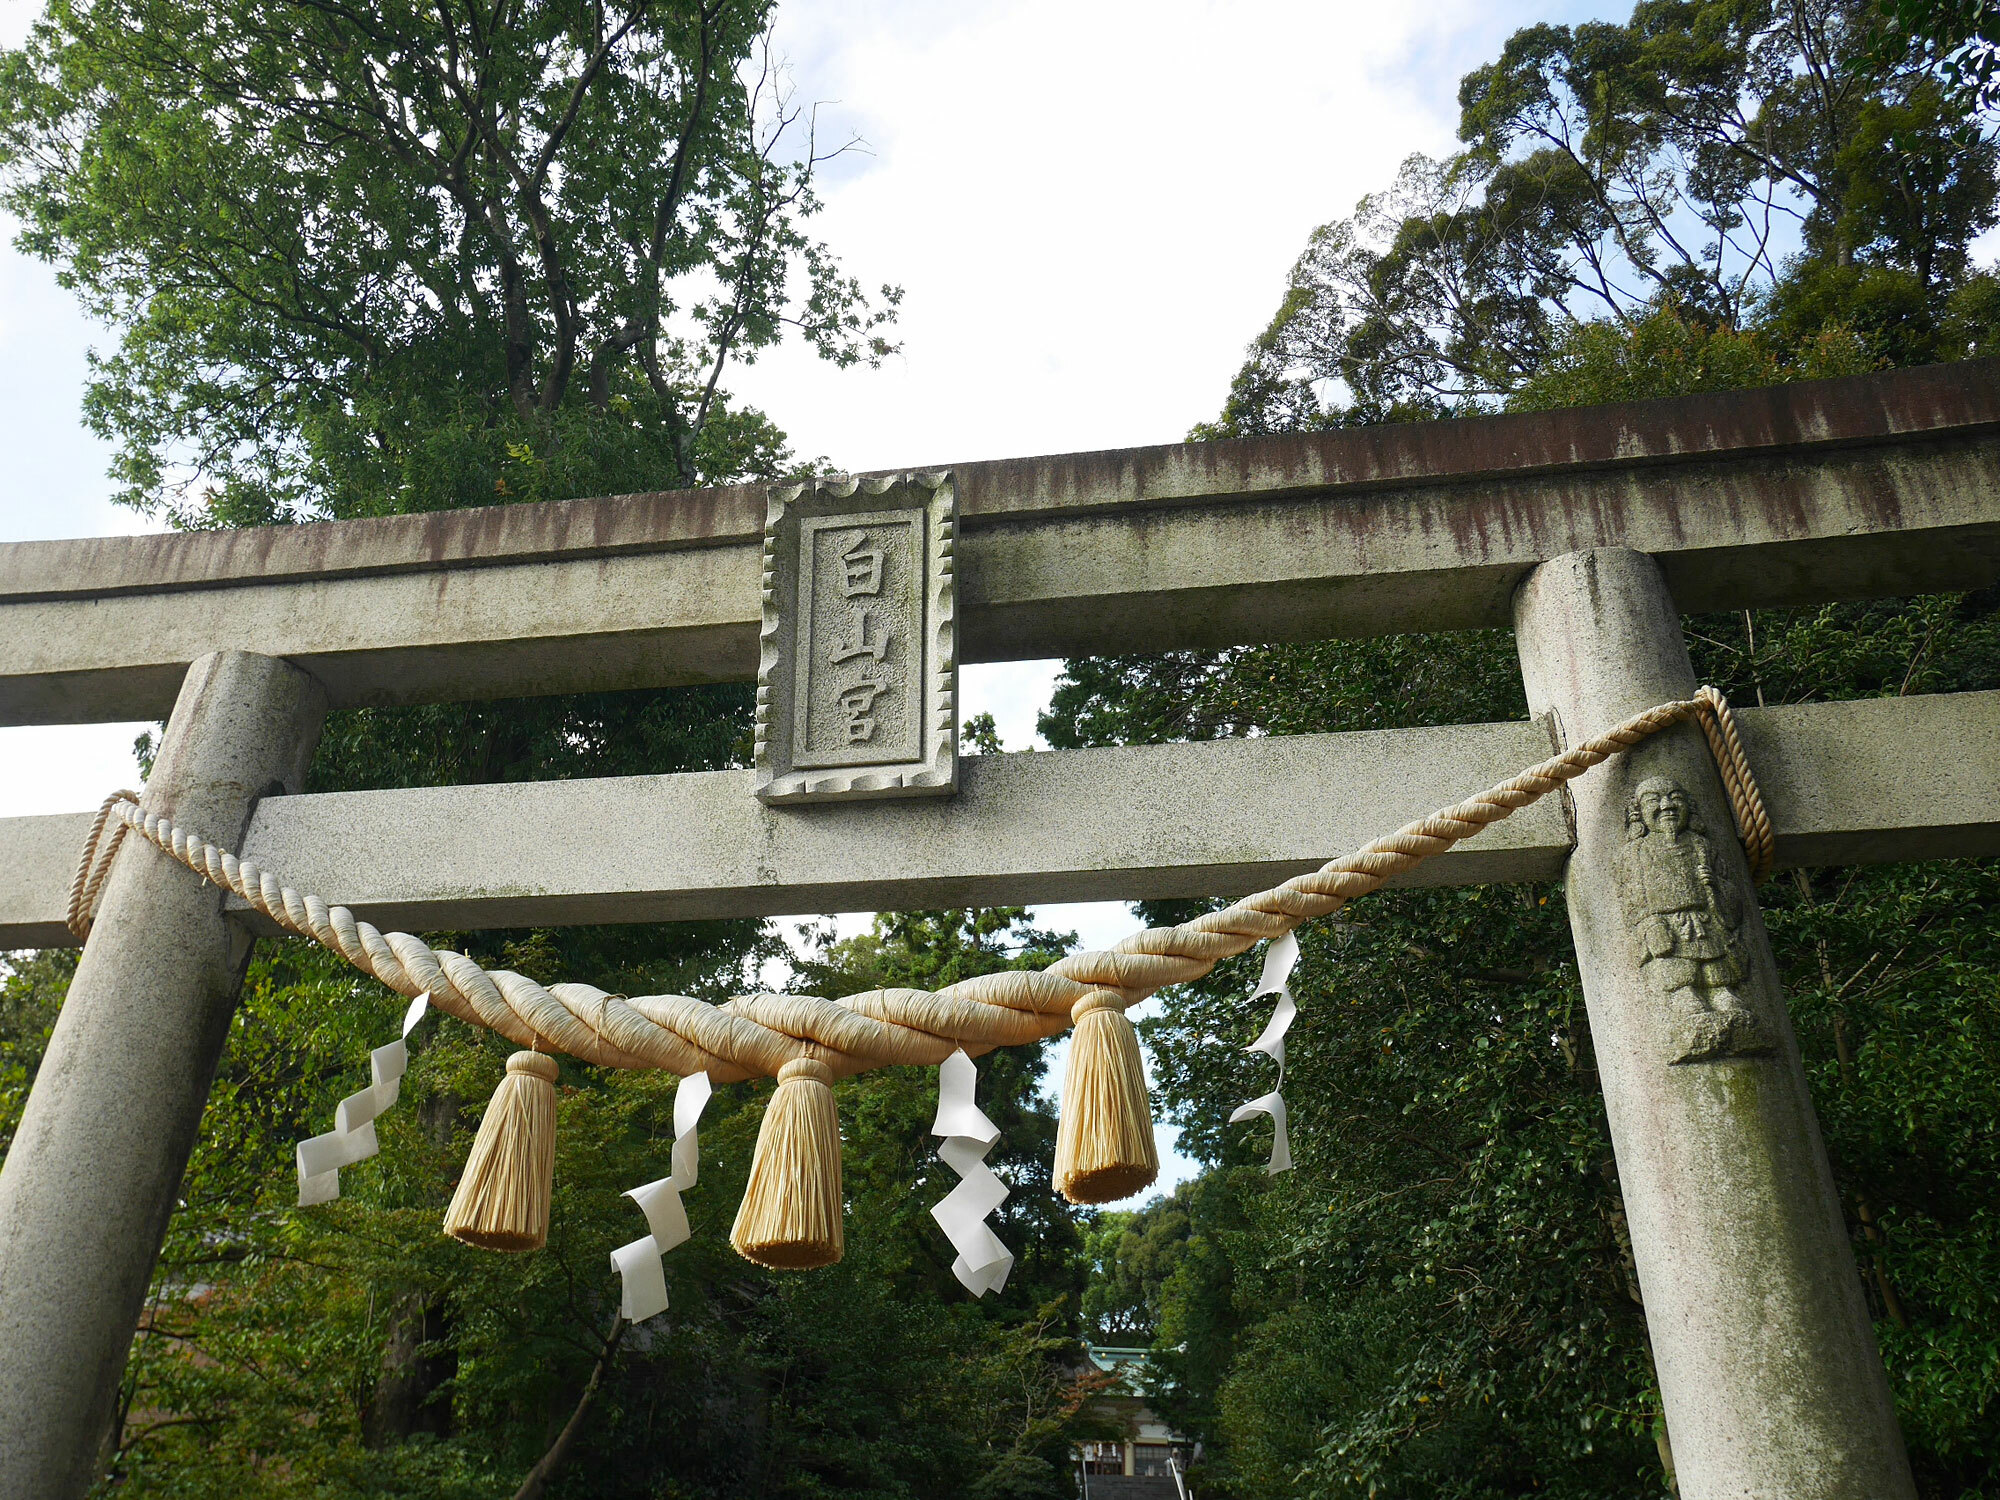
x=1768, y=1369
x=95, y=1167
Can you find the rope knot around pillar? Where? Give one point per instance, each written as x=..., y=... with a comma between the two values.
x=95, y=864
x=1746, y=803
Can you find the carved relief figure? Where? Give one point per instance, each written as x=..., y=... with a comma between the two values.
x=1684, y=919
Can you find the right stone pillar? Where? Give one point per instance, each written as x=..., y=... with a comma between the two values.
x=1769, y=1374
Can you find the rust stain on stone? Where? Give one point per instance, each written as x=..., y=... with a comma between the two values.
x=1773, y=435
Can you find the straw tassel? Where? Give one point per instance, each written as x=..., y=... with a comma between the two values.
x=1104, y=1144
x=502, y=1202
x=790, y=1218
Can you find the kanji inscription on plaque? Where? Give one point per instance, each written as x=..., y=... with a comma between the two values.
x=857, y=679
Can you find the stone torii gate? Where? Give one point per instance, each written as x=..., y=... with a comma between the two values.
x=1590, y=531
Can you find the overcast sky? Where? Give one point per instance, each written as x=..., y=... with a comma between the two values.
x=1091, y=205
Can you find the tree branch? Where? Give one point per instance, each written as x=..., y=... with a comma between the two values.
x=537, y=1482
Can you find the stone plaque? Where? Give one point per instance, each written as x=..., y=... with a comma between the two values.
x=857, y=679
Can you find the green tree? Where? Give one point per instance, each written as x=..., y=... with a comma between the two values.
x=1435, y=1298
x=1741, y=164
x=369, y=259
x=893, y=1109
x=1440, y=1299
x=1130, y=1255
x=351, y=1350
x=1960, y=38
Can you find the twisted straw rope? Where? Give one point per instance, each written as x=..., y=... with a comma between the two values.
x=88, y=885
x=756, y=1035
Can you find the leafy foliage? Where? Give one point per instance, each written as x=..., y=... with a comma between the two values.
x=1740, y=166
x=31, y=989
x=1436, y=1296
x=1960, y=38
x=406, y=257
x=352, y=1350
x=364, y=261
x=1440, y=1299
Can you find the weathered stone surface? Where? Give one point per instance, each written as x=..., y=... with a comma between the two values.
x=91, y=1178
x=1846, y=783
x=1768, y=1370
x=1834, y=489
x=857, y=679
x=32, y=851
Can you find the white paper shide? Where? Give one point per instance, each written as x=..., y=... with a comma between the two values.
x=352, y=1138
x=1279, y=960
x=983, y=1262
x=642, y=1276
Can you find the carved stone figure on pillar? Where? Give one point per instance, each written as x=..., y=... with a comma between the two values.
x=1685, y=919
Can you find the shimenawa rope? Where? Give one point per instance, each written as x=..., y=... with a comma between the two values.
x=769, y=1034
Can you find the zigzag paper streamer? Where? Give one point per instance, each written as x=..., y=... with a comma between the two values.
x=641, y=1270
x=1279, y=959
x=983, y=1262
x=352, y=1138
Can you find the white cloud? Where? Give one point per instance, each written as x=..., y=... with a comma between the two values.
x=55, y=486
x=1091, y=206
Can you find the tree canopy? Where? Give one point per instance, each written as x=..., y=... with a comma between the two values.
x=363, y=260
x=1746, y=165
x=388, y=258
x=352, y=1350
x=1960, y=38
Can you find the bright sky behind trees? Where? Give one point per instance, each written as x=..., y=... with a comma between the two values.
x=1091, y=205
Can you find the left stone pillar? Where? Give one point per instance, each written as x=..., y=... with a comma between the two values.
x=95, y=1167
